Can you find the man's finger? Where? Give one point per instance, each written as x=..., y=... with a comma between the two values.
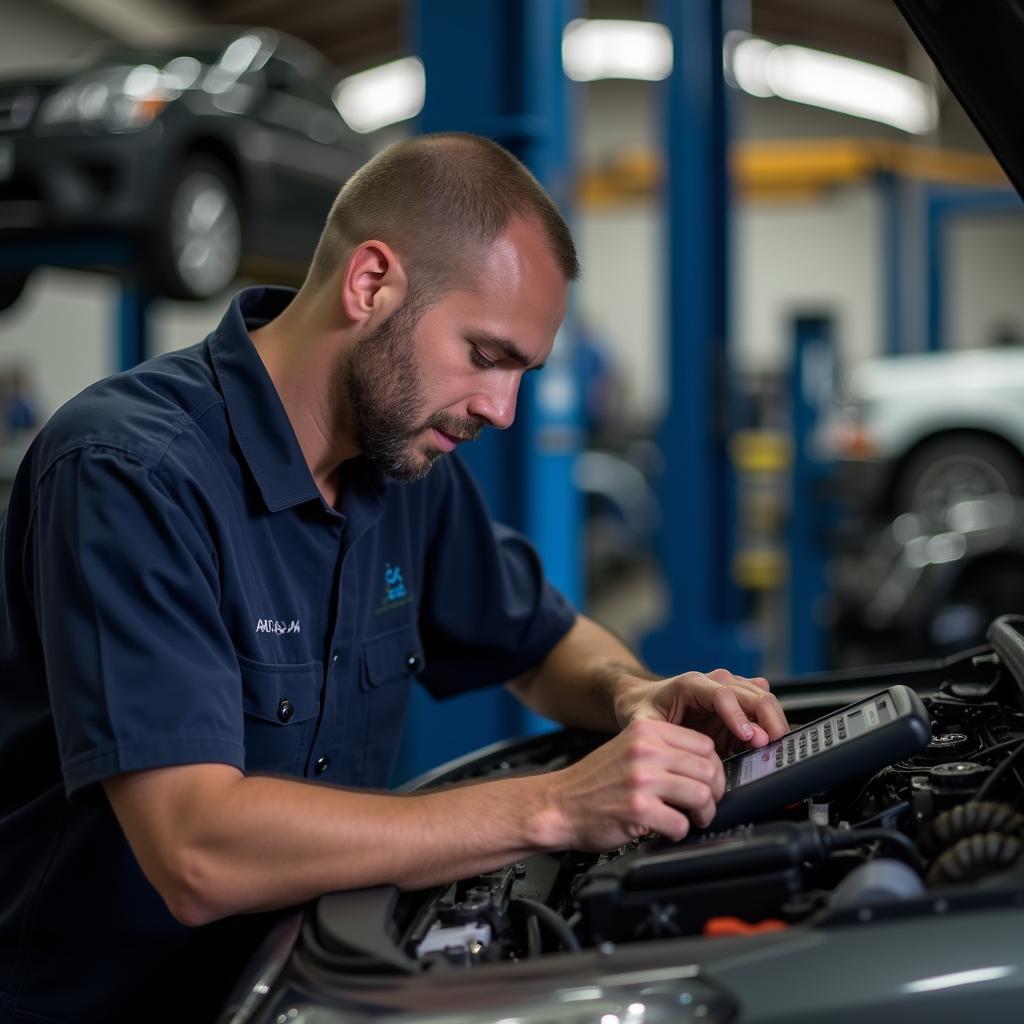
x=728, y=708
x=677, y=736
x=696, y=798
x=769, y=713
x=722, y=675
x=761, y=738
x=756, y=705
x=707, y=770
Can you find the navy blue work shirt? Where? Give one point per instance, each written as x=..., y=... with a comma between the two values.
x=175, y=590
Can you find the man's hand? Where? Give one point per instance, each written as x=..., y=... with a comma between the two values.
x=651, y=777
x=732, y=710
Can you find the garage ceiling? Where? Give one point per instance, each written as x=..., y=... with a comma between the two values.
x=356, y=34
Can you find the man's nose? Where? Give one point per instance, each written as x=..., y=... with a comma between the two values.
x=497, y=405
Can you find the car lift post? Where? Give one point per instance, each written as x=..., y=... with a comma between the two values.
x=812, y=384
x=508, y=85
x=133, y=336
x=890, y=187
x=698, y=492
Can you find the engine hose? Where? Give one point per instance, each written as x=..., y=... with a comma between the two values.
x=848, y=839
x=534, y=943
x=974, y=858
x=546, y=916
x=999, y=771
x=969, y=819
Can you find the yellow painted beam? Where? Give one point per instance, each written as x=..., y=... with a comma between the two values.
x=797, y=169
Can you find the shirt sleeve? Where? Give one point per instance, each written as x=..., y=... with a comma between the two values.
x=488, y=613
x=140, y=667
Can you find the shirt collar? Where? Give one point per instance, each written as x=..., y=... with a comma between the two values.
x=258, y=418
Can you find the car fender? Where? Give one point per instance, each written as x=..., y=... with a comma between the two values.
x=896, y=429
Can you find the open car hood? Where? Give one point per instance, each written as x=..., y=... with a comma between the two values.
x=977, y=48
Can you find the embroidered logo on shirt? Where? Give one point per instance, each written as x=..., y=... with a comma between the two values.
x=395, y=592
x=278, y=626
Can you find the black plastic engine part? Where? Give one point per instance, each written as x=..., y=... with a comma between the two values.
x=957, y=778
x=946, y=747
x=354, y=933
x=662, y=890
x=1007, y=639
x=657, y=891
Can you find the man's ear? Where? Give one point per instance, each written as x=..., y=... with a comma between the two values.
x=374, y=283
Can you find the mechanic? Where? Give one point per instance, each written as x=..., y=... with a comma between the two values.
x=221, y=571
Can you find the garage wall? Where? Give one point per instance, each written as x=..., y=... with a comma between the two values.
x=820, y=256
x=620, y=296
x=985, y=267
x=64, y=331
x=787, y=257
x=59, y=331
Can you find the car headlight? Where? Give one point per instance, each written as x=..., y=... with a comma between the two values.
x=119, y=99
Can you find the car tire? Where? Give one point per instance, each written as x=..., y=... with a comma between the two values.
x=11, y=287
x=955, y=468
x=197, y=249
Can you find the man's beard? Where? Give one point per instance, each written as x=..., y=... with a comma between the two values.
x=386, y=399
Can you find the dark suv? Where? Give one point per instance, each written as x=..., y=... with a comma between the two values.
x=226, y=144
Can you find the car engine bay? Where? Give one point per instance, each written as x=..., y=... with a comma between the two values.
x=934, y=833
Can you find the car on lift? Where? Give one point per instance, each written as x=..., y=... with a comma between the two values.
x=216, y=153
x=919, y=433
x=893, y=892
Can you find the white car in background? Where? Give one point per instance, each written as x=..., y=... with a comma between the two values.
x=919, y=433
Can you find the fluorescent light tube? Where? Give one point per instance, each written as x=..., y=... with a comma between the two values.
x=382, y=95
x=607, y=48
x=820, y=79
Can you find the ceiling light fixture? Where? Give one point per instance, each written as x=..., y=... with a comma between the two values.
x=820, y=79
x=607, y=48
x=382, y=95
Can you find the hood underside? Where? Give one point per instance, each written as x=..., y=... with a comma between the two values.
x=978, y=49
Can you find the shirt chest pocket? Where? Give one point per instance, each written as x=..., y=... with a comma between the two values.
x=390, y=664
x=281, y=704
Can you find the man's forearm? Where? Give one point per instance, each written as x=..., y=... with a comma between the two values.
x=261, y=842
x=581, y=679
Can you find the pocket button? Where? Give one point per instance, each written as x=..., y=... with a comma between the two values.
x=322, y=763
x=285, y=710
x=413, y=662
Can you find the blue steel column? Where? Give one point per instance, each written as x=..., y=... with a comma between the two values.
x=697, y=493
x=495, y=68
x=812, y=378
x=509, y=85
x=935, y=255
x=133, y=324
x=891, y=266
x=554, y=508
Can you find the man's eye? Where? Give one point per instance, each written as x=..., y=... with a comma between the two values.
x=480, y=359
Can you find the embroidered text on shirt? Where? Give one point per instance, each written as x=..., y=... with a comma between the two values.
x=277, y=626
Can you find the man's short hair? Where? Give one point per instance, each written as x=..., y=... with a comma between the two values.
x=439, y=201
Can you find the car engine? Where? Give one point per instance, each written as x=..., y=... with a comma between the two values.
x=927, y=835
